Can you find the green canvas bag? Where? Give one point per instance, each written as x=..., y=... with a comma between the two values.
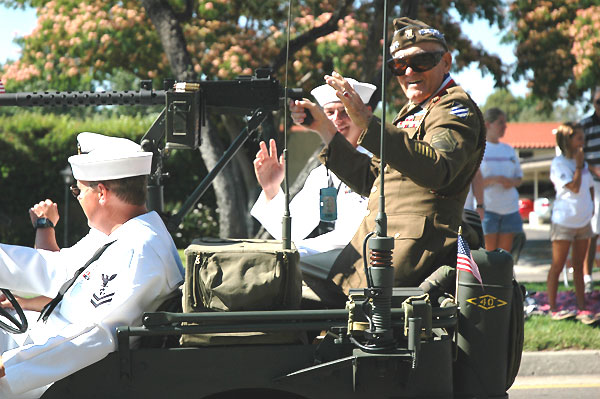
x=240, y=275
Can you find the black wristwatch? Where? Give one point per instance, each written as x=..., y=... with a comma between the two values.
x=43, y=223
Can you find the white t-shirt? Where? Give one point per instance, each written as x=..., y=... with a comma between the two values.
x=470, y=201
x=571, y=209
x=500, y=159
x=305, y=213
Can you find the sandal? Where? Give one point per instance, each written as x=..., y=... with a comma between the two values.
x=587, y=317
x=563, y=314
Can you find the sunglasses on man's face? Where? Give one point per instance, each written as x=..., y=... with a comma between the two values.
x=421, y=62
x=597, y=101
x=76, y=191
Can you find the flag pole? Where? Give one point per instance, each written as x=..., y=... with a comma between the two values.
x=456, y=302
x=457, y=271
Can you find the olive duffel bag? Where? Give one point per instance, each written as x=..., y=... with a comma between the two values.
x=240, y=275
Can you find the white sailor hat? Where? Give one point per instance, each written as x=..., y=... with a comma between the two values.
x=325, y=94
x=107, y=158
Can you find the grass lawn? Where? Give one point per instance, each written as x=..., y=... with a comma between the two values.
x=543, y=333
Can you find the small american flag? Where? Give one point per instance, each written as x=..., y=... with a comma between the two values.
x=464, y=260
x=2, y=87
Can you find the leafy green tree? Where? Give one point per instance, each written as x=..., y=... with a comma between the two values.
x=529, y=109
x=557, y=47
x=507, y=102
x=81, y=44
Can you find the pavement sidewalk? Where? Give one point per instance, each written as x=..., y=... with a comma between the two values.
x=567, y=362
x=536, y=256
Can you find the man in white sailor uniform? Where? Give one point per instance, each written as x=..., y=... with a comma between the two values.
x=310, y=233
x=132, y=267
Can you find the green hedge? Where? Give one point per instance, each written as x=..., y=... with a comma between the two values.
x=34, y=148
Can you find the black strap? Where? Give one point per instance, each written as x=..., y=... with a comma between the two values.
x=49, y=308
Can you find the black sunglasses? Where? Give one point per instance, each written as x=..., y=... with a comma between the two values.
x=75, y=190
x=597, y=101
x=421, y=62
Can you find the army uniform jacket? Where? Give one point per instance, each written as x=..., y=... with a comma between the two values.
x=134, y=274
x=431, y=156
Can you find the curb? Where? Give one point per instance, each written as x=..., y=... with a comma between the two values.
x=568, y=362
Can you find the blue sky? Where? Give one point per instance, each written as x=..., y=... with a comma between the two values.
x=14, y=23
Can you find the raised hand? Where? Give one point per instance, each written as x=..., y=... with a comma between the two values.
x=356, y=109
x=320, y=123
x=268, y=169
x=44, y=209
x=579, y=157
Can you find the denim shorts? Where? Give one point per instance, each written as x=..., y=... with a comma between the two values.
x=496, y=223
x=559, y=232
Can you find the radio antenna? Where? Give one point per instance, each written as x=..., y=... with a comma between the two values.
x=286, y=222
x=380, y=276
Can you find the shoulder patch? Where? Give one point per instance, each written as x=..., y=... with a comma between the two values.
x=444, y=141
x=459, y=110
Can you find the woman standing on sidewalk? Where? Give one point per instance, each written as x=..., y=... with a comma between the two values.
x=573, y=210
x=502, y=175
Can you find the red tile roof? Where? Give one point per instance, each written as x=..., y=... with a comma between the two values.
x=530, y=134
x=520, y=135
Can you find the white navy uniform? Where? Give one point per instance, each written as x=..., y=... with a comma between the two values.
x=134, y=275
x=305, y=213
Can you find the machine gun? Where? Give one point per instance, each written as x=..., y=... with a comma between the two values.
x=180, y=124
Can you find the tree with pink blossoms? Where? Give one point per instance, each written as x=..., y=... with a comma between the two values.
x=558, y=44
x=81, y=44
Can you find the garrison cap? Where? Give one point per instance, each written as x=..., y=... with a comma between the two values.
x=408, y=32
x=108, y=158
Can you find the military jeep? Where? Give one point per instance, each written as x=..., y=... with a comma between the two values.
x=388, y=342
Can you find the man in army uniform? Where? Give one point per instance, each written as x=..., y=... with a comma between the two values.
x=433, y=149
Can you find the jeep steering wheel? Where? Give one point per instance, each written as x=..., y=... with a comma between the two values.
x=17, y=326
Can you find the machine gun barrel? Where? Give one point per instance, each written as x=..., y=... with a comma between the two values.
x=242, y=94
x=82, y=98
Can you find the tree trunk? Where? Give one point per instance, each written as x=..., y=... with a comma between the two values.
x=231, y=208
x=171, y=36
x=313, y=34
x=229, y=188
